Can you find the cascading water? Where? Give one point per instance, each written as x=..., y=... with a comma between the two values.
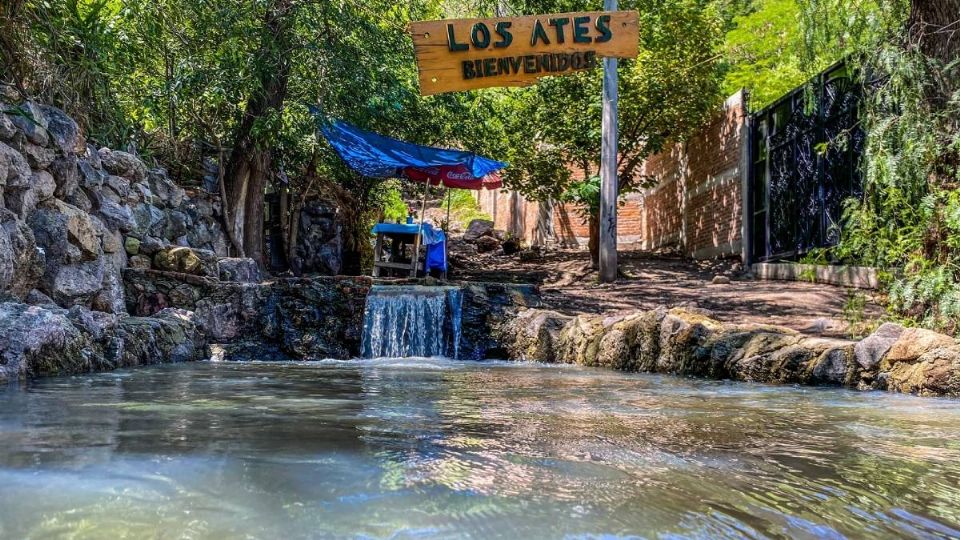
x=402, y=321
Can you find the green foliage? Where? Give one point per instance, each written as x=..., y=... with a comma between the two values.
x=667, y=92
x=463, y=208
x=908, y=222
x=394, y=207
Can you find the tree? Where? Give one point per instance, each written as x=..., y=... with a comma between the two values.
x=667, y=92
x=908, y=221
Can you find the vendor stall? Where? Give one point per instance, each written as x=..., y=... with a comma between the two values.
x=375, y=155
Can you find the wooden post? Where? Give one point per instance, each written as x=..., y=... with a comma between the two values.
x=608, y=168
x=417, y=241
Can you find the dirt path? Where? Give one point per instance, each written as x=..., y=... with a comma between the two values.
x=569, y=285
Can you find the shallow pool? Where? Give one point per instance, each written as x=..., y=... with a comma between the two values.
x=435, y=448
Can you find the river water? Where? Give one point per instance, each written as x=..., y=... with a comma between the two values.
x=436, y=448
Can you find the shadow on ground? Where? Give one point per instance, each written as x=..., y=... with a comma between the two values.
x=569, y=285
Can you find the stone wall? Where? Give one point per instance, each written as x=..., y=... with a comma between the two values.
x=72, y=219
x=301, y=318
x=687, y=342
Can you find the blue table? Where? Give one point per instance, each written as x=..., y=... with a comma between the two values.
x=397, y=231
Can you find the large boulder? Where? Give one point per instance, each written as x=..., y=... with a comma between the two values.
x=47, y=340
x=486, y=244
x=478, y=228
x=532, y=334
x=57, y=226
x=122, y=164
x=914, y=343
x=118, y=217
x=935, y=372
x=74, y=284
x=38, y=340
x=684, y=335
x=147, y=217
x=633, y=343
x=579, y=340
x=871, y=350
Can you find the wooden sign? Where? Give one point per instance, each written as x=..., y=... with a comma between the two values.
x=464, y=54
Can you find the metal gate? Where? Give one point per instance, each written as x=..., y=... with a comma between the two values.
x=804, y=156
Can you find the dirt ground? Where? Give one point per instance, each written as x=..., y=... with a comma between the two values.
x=568, y=285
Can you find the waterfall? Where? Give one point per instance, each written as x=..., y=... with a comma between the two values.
x=406, y=320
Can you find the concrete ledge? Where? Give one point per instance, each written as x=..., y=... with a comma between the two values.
x=860, y=277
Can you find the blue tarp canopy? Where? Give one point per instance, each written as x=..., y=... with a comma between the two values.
x=377, y=156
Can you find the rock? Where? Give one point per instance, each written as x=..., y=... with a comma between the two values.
x=486, y=244
x=7, y=129
x=914, y=343
x=109, y=298
x=511, y=246
x=63, y=130
x=119, y=185
x=579, y=341
x=64, y=233
x=96, y=323
x=147, y=218
x=175, y=226
x=14, y=169
x=144, y=195
x=36, y=340
x=21, y=202
x=532, y=334
x=45, y=340
x=478, y=228
x=38, y=157
x=934, y=373
x=168, y=193
x=29, y=119
x=150, y=245
x=871, y=350
x=140, y=262
x=319, y=237
x=110, y=241
x=79, y=199
x=720, y=280
x=187, y=260
x=240, y=270
x=90, y=177
x=123, y=164
x=76, y=284
x=132, y=245
x=21, y=262
x=116, y=216
x=632, y=343
x=44, y=185
x=37, y=298
x=93, y=156
x=531, y=255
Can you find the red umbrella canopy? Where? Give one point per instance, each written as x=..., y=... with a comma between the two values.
x=453, y=176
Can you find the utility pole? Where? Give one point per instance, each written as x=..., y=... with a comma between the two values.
x=608, y=167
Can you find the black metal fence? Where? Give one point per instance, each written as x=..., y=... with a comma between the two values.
x=804, y=156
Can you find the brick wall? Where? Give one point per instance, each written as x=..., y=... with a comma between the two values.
x=695, y=207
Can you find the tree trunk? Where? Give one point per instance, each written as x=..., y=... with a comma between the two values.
x=594, y=243
x=248, y=169
x=935, y=28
